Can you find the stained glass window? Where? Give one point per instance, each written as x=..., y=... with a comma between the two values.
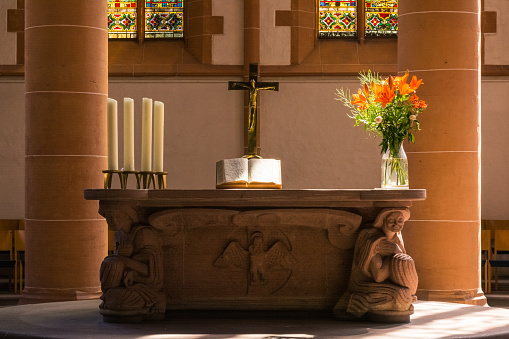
x=337, y=18
x=381, y=17
x=122, y=18
x=164, y=18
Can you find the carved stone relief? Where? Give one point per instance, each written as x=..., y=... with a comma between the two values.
x=206, y=257
x=383, y=280
x=266, y=258
x=132, y=277
x=261, y=247
x=341, y=226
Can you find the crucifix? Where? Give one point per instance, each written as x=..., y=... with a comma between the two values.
x=253, y=86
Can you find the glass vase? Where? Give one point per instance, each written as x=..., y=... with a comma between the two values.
x=395, y=169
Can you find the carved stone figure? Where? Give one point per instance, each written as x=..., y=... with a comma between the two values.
x=132, y=277
x=383, y=280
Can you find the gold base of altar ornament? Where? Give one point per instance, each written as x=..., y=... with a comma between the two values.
x=144, y=177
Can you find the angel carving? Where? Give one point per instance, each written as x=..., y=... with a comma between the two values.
x=255, y=259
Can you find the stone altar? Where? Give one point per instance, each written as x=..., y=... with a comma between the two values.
x=241, y=249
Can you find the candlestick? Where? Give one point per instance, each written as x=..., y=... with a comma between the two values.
x=128, y=134
x=158, y=136
x=146, y=136
x=112, y=135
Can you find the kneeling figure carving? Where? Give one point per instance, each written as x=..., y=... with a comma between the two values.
x=132, y=277
x=383, y=281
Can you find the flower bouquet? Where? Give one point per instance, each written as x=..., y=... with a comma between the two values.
x=389, y=108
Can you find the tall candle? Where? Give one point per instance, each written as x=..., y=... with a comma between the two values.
x=128, y=134
x=146, y=136
x=158, y=136
x=112, y=126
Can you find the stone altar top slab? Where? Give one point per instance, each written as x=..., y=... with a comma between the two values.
x=260, y=197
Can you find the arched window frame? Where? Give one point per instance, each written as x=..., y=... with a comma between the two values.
x=355, y=14
x=146, y=19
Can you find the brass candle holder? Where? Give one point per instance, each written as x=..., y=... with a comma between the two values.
x=149, y=177
x=108, y=176
x=161, y=180
x=145, y=177
x=125, y=176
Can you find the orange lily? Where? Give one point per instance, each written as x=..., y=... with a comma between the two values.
x=384, y=94
x=414, y=84
x=403, y=87
x=366, y=90
x=373, y=86
x=359, y=99
x=399, y=81
x=414, y=99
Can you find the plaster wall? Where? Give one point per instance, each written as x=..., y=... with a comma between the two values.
x=228, y=48
x=203, y=124
x=494, y=150
x=497, y=44
x=7, y=39
x=311, y=137
x=275, y=42
x=311, y=133
x=301, y=124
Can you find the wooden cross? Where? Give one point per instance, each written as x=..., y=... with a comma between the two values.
x=253, y=86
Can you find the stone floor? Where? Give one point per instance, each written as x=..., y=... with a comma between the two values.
x=500, y=297
x=81, y=319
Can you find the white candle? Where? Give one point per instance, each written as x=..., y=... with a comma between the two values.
x=112, y=126
x=146, y=136
x=128, y=134
x=158, y=136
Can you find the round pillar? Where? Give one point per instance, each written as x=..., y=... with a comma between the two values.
x=439, y=41
x=66, y=73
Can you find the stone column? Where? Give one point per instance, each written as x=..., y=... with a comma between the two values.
x=66, y=90
x=439, y=41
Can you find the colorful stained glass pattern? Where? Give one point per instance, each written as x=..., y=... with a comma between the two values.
x=164, y=25
x=121, y=19
x=381, y=17
x=164, y=19
x=337, y=19
x=163, y=4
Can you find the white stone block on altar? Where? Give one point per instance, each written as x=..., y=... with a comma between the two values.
x=248, y=173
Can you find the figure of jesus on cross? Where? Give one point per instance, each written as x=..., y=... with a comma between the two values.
x=253, y=86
